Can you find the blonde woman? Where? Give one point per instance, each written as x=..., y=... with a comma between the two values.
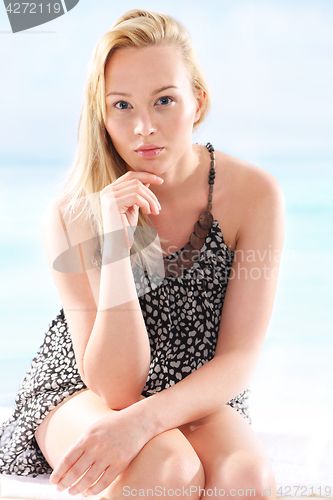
x=140, y=386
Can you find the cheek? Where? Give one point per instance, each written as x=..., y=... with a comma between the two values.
x=187, y=115
x=115, y=129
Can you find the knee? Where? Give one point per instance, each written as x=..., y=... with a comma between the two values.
x=167, y=466
x=178, y=464
x=244, y=477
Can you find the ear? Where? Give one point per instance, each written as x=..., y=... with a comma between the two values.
x=201, y=100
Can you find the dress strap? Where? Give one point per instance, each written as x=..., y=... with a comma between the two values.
x=191, y=251
x=212, y=173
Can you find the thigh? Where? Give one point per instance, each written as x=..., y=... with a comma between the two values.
x=232, y=454
x=168, y=459
x=66, y=422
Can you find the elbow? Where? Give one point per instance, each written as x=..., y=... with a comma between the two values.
x=117, y=393
x=119, y=402
x=114, y=396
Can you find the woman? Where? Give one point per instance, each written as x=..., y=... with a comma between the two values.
x=141, y=382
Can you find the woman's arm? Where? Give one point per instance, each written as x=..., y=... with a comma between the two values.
x=102, y=309
x=245, y=317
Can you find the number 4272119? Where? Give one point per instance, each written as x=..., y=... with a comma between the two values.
x=32, y=8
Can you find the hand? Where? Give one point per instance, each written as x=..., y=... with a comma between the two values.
x=130, y=192
x=103, y=451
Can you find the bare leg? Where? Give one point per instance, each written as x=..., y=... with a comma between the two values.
x=166, y=461
x=232, y=455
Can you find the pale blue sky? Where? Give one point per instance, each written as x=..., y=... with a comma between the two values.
x=268, y=63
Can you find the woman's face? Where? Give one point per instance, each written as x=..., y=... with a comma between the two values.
x=150, y=106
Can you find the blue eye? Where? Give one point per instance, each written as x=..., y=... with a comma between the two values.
x=122, y=105
x=165, y=100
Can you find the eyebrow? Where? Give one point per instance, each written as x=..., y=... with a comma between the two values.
x=157, y=91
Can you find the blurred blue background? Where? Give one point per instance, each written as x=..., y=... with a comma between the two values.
x=270, y=70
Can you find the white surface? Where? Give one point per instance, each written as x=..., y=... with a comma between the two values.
x=37, y=488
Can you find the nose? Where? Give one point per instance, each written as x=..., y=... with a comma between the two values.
x=144, y=123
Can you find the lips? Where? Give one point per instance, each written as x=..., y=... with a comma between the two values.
x=147, y=147
x=149, y=150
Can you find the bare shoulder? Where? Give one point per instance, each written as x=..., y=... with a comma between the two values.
x=254, y=194
x=56, y=223
x=249, y=178
x=68, y=256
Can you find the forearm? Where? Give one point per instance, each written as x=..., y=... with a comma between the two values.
x=199, y=394
x=117, y=356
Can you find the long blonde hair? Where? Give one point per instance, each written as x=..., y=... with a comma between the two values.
x=97, y=163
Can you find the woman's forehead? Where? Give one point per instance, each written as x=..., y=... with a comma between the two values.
x=153, y=66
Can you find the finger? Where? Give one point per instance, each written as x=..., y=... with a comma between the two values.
x=143, y=176
x=72, y=477
x=124, y=190
x=87, y=480
x=142, y=191
x=68, y=460
x=126, y=202
x=103, y=482
x=77, y=470
x=137, y=186
x=129, y=244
